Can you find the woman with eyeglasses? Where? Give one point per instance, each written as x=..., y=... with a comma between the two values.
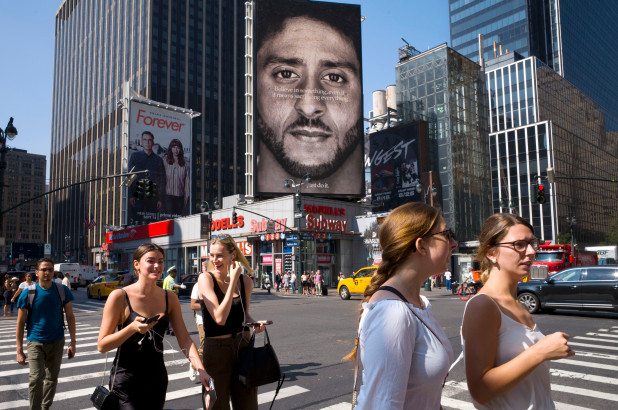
x=134, y=322
x=225, y=294
x=506, y=355
x=402, y=350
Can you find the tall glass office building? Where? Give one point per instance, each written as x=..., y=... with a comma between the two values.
x=539, y=120
x=571, y=37
x=188, y=54
x=446, y=89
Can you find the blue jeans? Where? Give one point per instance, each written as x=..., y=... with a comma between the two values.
x=293, y=287
x=448, y=284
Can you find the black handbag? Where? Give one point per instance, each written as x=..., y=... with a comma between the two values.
x=103, y=399
x=258, y=365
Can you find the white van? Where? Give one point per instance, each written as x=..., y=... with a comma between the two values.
x=74, y=270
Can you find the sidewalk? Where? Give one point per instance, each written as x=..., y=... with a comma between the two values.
x=436, y=292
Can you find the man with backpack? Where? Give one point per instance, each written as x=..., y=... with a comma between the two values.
x=41, y=311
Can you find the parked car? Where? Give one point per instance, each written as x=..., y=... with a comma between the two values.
x=357, y=283
x=579, y=288
x=103, y=285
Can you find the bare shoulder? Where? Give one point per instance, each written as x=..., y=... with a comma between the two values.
x=481, y=311
x=247, y=281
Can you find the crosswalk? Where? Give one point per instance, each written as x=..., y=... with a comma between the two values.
x=585, y=381
x=79, y=376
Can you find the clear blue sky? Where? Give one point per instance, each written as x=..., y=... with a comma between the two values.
x=27, y=50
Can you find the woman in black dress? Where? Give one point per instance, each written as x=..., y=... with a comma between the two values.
x=138, y=375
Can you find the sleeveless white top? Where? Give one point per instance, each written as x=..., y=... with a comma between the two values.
x=533, y=392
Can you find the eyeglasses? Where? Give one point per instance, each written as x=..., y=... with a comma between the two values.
x=448, y=234
x=46, y=270
x=522, y=245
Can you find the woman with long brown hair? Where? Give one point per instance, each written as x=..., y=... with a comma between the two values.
x=138, y=375
x=404, y=353
x=225, y=294
x=506, y=355
x=177, y=184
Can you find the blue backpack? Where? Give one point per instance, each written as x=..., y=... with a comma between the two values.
x=32, y=295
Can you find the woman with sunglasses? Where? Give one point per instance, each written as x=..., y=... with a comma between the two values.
x=506, y=355
x=404, y=353
x=225, y=294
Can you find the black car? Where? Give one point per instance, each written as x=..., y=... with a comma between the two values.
x=189, y=281
x=580, y=288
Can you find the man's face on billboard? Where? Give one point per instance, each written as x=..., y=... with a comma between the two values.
x=147, y=142
x=309, y=97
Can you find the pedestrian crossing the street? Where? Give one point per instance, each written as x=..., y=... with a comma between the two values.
x=585, y=381
x=594, y=366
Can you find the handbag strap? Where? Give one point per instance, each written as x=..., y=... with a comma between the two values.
x=117, y=351
x=396, y=292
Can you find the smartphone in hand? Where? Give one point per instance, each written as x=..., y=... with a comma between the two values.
x=212, y=393
x=261, y=322
x=154, y=318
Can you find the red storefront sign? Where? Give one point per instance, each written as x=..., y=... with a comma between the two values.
x=152, y=230
x=326, y=259
x=267, y=259
x=278, y=265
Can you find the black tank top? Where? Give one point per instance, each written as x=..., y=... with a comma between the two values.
x=151, y=342
x=234, y=321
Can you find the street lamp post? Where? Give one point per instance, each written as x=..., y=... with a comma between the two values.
x=289, y=183
x=572, y=221
x=67, y=245
x=9, y=132
x=430, y=190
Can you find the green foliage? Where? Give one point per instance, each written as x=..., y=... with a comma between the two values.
x=564, y=238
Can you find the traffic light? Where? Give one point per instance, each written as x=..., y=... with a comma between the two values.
x=540, y=194
x=234, y=217
x=139, y=189
x=150, y=189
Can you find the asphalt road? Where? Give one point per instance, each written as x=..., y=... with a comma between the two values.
x=311, y=335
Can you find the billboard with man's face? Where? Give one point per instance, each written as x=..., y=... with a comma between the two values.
x=396, y=158
x=308, y=97
x=160, y=142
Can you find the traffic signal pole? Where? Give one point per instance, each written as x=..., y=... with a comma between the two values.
x=69, y=186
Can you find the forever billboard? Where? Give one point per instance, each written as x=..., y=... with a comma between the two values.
x=396, y=159
x=160, y=142
x=309, y=97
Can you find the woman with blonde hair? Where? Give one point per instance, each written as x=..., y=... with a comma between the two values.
x=506, y=355
x=141, y=313
x=225, y=294
x=404, y=353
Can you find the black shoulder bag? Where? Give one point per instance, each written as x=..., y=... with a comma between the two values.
x=258, y=366
x=102, y=398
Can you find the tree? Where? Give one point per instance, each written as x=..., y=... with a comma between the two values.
x=612, y=237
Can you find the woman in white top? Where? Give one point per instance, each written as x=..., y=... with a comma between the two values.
x=404, y=354
x=506, y=355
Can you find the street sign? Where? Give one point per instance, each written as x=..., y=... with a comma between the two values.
x=293, y=237
x=291, y=243
x=47, y=249
x=299, y=215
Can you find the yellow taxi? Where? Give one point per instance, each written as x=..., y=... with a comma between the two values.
x=357, y=283
x=102, y=286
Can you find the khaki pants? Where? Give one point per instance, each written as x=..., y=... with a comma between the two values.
x=200, y=331
x=220, y=363
x=44, y=359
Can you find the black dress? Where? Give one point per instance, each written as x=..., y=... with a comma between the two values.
x=141, y=377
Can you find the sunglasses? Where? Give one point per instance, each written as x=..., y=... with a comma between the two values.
x=221, y=236
x=448, y=234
